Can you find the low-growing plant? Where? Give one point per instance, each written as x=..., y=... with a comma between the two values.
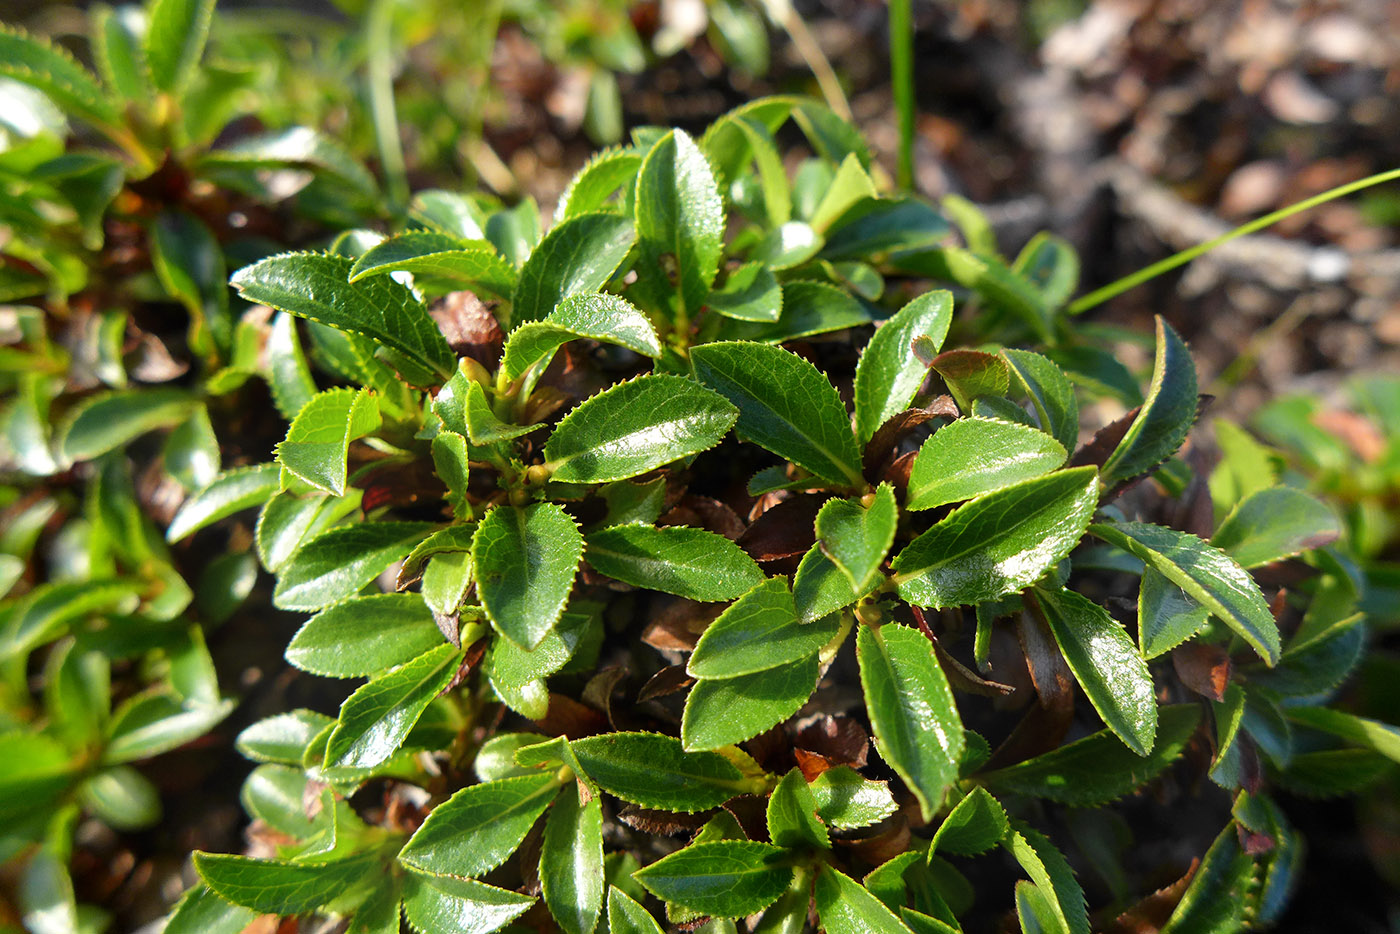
x=634, y=534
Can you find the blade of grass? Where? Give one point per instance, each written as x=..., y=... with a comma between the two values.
x=380, y=80
x=902, y=77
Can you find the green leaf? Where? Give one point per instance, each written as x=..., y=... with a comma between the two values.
x=1098, y=768
x=462, y=906
x=636, y=426
x=1361, y=731
x=819, y=588
x=478, y=828
x=971, y=375
x=50, y=69
x=316, y=286
x=792, y=815
x=1051, y=265
x=851, y=185
x=1206, y=574
x=288, y=376
x=1164, y=419
x=872, y=226
x=230, y=492
x=376, y=718
x=749, y=293
x=121, y=797
x=283, y=737
x=318, y=442
x=690, y=563
x=600, y=317
x=279, y=887
x=518, y=675
x=680, y=225
x=1167, y=617
x=857, y=537
x=525, y=560
x=1105, y=663
x=288, y=520
x=785, y=405
x=848, y=801
x=972, y=456
x=991, y=278
x=200, y=911
x=655, y=771
x=191, y=453
x=976, y=824
x=578, y=255
x=149, y=724
x=1050, y=393
x=787, y=245
x=43, y=613
x=571, y=860
x=999, y=543
x=724, y=879
x=730, y=710
x=117, y=51
x=625, y=916
x=600, y=178
x=917, y=728
x=190, y=265
x=1218, y=898
x=889, y=373
x=295, y=146
x=845, y=907
x=1274, y=524
x=434, y=255
x=109, y=420
x=1050, y=872
x=476, y=416
x=45, y=894
x=337, y=563
x=808, y=308
x=757, y=632
x=175, y=37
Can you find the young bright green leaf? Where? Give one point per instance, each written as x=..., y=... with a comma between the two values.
x=625, y=916
x=463, y=906
x=316, y=286
x=433, y=255
x=845, y=907
x=917, y=728
x=578, y=255
x=1274, y=524
x=655, y=771
x=600, y=178
x=518, y=675
x=1099, y=768
x=976, y=824
x=49, y=68
x=792, y=815
x=723, y=879
x=857, y=537
x=525, y=560
x=281, y=887
x=1105, y=663
x=1050, y=393
x=1036, y=910
x=1167, y=617
x=571, y=860
x=851, y=184
x=972, y=456
x=283, y=737
x=229, y=492
x=337, y=563
x=593, y=316
x=200, y=911
x=175, y=37
x=730, y=710
x=690, y=563
x=1164, y=419
x=483, y=427
x=288, y=376
x=376, y=718
x=109, y=420
x=1206, y=574
x=999, y=543
x=991, y=278
x=1050, y=872
x=809, y=308
x=636, y=426
x=318, y=442
x=478, y=828
x=680, y=225
x=749, y=293
x=820, y=588
x=758, y=631
x=848, y=801
x=287, y=520
x=452, y=464
x=785, y=405
x=889, y=373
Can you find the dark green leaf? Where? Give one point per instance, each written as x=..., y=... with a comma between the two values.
x=1274, y=524
x=462, y=906
x=190, y=265
x=973, y=456
x=230, y=492
x=1206, y=574
x=999, y=543
x=848, y=801
x=433, y=255
x=478, y=828
x=749, y=293
x=1105, y=663
x=691, y=563
x=571, y=860
x=316, y=286
x=655, y=771
x=1167, y=617
x=1050, y=393
x=318, y=442
x=634, y=427
x=1165, y=418
x=578, y=255
x=845, y=907
x=1051, y=265
x=730, y=710
x=625, y=916
x=288, y=520
x=724, y=879
x=889, y=373
x=785, y=405
x=280, y=887
x=191, y=453
x=976, y=824
x=915, y=719
x=1051, y=873
x=376, y=718
x=792, y=815
x=109, y=420
x=680, y=223
x=525, y=561
x=758, y=631
x=872, y=226
x=1217, y=900
x=808, y=308
x=337, y=563
x=857, y=536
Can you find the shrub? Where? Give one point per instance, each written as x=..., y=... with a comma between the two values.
x=632, y=535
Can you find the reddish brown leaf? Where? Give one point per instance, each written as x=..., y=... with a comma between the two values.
x=705, y=513
x=670, y=680
x=1045, y=724
x=1105, y=441
x=1203, y=668
x=888, y=436
x=811, y=764
x=667, y=823
x=1359, y=434
x=840, y=740
x=677, y=623
x=470, y=327
x=1151, y=914
x=784, y=531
